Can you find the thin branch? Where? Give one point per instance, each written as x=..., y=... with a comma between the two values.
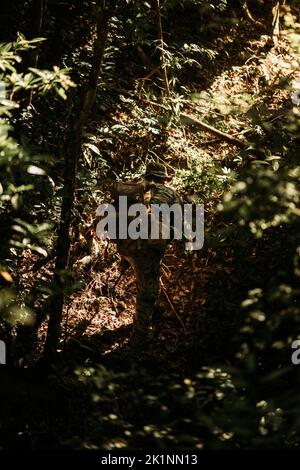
x=162, y=48
x=191, y=120
x=173, y=308
x=249, y=16
x=206, y=127
x=276, y=23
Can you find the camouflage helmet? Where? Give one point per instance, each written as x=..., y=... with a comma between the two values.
x=156, y=170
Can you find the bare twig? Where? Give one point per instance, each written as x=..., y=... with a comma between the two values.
x=173, y=308
x=117, y=281
x=227, y=137
x=66, y=327
x=153, y=72
x=276, y=23
x=249, y=16
x=162, y=49
x=191, y=120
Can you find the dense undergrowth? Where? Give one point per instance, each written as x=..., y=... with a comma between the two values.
x=220, y=374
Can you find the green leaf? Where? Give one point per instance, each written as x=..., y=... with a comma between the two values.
x=6, y=276
x=16, y=201
x=35, y=170
x=93, y=148
x=39, y=250
x=61, y=93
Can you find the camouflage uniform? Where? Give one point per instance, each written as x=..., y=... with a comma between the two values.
x=147, y=271
x=147, y=260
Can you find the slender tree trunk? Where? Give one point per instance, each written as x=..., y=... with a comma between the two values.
x=36, y=27
x=163, y=63
x=72, y=155
x=37, y=12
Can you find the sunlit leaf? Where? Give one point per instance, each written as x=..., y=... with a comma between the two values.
x=35, y=170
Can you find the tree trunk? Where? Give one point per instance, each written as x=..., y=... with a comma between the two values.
x=37, y=15
x=72, y=155
x=163, y=63
x=37, y=12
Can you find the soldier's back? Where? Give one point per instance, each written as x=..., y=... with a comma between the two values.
x=162, y=194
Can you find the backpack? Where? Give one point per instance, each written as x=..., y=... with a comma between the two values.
x=144, y=193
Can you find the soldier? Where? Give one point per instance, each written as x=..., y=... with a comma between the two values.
x=146, y=257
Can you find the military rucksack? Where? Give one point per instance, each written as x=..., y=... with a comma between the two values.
x=145, y=193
